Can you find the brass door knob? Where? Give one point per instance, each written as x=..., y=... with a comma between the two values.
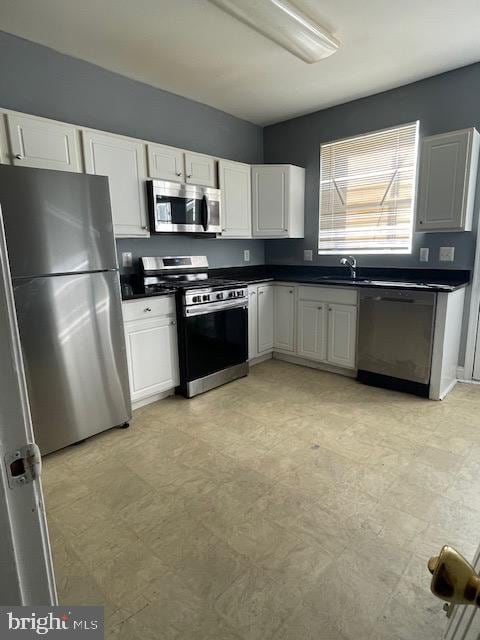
x=453, y=578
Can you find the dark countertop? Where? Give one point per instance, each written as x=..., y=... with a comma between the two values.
x=435, y=280
x=137, y=295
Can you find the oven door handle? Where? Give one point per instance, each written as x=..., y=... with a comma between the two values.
x=205, y=213
x=203, y=309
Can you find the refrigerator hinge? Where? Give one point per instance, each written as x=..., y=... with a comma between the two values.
x=24, y=465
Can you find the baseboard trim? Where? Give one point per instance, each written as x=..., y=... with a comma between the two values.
x=158, y=396
x=253, y=361
x=321, y=366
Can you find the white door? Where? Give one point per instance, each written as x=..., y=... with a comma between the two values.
x=252, y=322
x=166, y=163
x=269, y=201
x=312, y=330
x=152, y=356
x=44, y=144
x=26, y=570
x=284, y=317
x=200, y=169
x=442, y=181
x=236, y=210
x=265, y=318
x=123, y=161
x=342, y=335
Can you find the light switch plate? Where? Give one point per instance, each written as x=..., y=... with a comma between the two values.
x=127, y=259
x=446, y=254
x=308, y=255
x=424, y=251
x=246, y=255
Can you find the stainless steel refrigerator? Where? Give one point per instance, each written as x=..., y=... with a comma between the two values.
x=65, y=276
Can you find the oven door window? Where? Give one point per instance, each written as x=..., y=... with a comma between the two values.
x=215, y=341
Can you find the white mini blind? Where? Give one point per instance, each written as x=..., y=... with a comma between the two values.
x=367, y=192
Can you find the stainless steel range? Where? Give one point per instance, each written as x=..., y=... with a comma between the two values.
x=212, y=320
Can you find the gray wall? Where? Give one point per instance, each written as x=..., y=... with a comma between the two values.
x=442, y=103
x=37, y=80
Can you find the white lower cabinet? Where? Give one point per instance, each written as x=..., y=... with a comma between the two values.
x=260, y=320
x=312, y=330
x=327, y=325
x=151, y=340
x=284, y=317
x=342, y=335
x=264, y=318
x=311, y=322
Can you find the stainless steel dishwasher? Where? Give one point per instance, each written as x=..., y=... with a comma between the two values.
x=395, y=338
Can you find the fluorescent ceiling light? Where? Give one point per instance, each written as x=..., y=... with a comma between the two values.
x=286, y=25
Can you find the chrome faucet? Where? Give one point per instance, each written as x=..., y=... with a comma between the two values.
x=351, y=263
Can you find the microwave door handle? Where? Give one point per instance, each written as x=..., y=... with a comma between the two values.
x=205, y=213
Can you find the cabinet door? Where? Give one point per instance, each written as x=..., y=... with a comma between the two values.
x=284, y=318
x=166, y=163
x=235, y=186
x=45, y=144
x=252, y=322
x=152, y=356
x=123, y=161
x=342, y=335
x=269, y=201
x=312, y=330
x=442, y=182
x=265, y=318
x=200, y=169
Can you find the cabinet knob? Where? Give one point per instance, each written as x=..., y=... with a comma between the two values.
x=252, y=293
x=320, y=307
x=19, y=156
x=144, y=226
x=260, y=293
x=179, y=173
x=291, y=291
x=189, y=175
x=173, y=322
x=147, y=309
x=420, y=222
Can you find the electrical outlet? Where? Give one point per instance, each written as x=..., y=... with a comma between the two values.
x=446, y=254
x=127, y=259
x=246, y=255
x=308, y=255
x=424, y=251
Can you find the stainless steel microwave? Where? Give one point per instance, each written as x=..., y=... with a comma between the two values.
x=175, y=207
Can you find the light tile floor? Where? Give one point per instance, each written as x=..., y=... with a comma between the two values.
x=293, y=504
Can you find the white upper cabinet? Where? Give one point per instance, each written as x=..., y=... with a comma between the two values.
x=236, y=194
x=123, y=161
x=42, y=143
x=278, y=201
x=200, y=169
x=284, y=317
x=264, y=318
x=447, y=180
x=342, y=335
x=166, y=163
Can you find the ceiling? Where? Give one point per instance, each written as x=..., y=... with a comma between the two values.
x=194, y=49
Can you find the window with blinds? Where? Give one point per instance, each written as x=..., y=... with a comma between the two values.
x=367, y=192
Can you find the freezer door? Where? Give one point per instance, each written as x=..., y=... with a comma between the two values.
x=73, y=345
x=56, y=221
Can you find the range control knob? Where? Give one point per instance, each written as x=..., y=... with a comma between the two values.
x=196, y=299
x=219, y=296
x=206, y=298
x=231, y=294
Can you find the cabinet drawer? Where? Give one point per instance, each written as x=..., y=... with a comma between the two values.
x=342, y=295
x=146, y=308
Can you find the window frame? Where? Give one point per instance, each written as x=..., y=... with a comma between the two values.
x=406, y=251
